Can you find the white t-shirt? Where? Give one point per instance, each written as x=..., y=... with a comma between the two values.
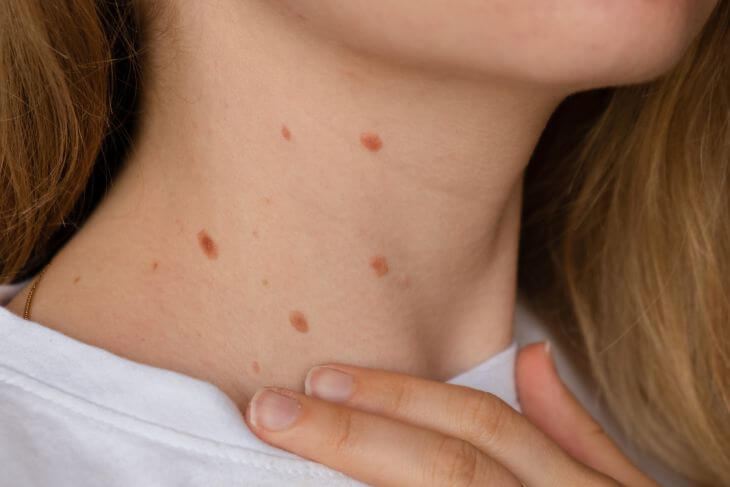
x=76, y=415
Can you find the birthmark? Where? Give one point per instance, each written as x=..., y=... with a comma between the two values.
x=371, y=141
x=299, y=321
x=208, y=245
x=379, y=265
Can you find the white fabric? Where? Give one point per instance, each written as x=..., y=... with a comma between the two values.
x=76, y=415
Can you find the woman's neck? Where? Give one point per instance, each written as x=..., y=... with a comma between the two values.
x=290, y=202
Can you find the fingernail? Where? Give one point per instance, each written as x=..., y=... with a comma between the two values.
x=548, y=349
x=328, y=384
x=273, y=411
x=549, y=352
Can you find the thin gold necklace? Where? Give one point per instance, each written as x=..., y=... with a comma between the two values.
x=29, y=299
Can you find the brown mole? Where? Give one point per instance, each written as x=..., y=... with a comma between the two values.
x=255, y=366
x=77, y=279
x=371, y=141
x=154, y=265
x=285, y=132
x=265, y=282
x=207, y=244
x=299, y=321
x=379, y=265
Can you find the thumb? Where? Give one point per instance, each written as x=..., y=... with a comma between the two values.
x=550, y=406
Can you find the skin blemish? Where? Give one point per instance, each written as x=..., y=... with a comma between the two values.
x=371, y=141
x=207, y=244
x=404, y=280
x=379, y=265
x=255, y=234
x=256, y=367
x=77, y=279
x=299, y=321
x=265, y=282
x=285, y=132
x=154, y=265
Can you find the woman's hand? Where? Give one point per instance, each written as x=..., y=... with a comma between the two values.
x=385, y=428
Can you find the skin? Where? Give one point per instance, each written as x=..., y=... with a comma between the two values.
x=407, y=133
x=400, y=430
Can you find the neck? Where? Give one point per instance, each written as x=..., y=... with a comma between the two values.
x=290, y=202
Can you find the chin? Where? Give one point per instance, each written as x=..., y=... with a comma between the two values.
x=579, y=44
x=632, y=41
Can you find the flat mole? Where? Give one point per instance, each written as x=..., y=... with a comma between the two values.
x=299, y=321
x=207, y=244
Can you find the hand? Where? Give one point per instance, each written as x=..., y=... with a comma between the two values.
x=385, y=428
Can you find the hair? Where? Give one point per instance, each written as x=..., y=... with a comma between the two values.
x=626, y=221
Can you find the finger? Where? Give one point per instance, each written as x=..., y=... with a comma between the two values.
x=474, y=416
x=372, y=449
x=554, y=409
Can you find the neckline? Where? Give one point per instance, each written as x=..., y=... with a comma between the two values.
x=162, y=397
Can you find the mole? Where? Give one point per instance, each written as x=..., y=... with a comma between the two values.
x=77, y=279
x=299, y=321
x=379, y=265
x=371, y=141
x=255, y=233
x=265, y=282
x=285, y=132
x=207, y=244
x=154, y=265
x=255, y=366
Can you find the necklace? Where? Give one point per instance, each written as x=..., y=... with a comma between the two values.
x=29, y=299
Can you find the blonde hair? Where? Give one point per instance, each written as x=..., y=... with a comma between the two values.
x=626, y=238
x=626, y=225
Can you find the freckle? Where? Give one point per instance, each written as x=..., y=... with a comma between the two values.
x=404, y=280
x=371, y=141
x=379, y=265
x=77, y=279
x=265, y=282
x=255, y=234
x=299, y=321
x=285, y=132
x=207, y=244
x=154, y=265
x=255, y=366
x=266, y=200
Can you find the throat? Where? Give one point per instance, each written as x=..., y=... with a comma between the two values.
x=322, y=207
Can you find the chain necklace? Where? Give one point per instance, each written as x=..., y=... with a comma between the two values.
x=29, y=299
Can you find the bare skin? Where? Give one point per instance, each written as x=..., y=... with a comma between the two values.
x=306, y=220
x=286, y=146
